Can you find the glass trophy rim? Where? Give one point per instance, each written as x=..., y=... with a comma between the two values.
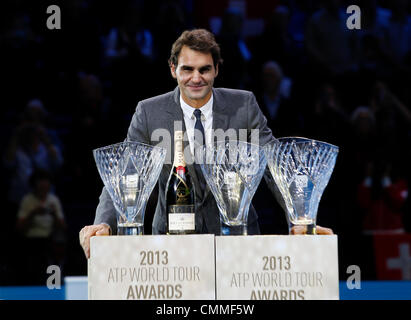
x=304, y=139
x=215, y=146
x=128, y=141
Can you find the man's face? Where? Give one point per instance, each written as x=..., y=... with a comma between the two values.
x=195, y=74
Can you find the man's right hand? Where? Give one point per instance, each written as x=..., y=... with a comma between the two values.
x=90, y=231
x=299, y=230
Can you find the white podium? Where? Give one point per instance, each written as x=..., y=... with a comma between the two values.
x=205, y=267
x=152, y=267
x=277, y=268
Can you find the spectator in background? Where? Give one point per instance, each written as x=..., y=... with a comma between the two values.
x=89, y=127
x=399, y=33
x=372, y=38
x=381, y=196
x=407, y=211
x=30, y=148
x=41, y=223
x=362, y=139
x=36, y=114
x=382, y=128
x=91, y=103
x=234, y=70
x=128, y=52
x=357, y=150
x=393, y=118
x=398, y=44
x=379, y=157
x=275, y=100
x=300, y=10
x=329, y=119
x=329, y=43
x=273, y=94
x=129, y=38
x=170, y=21
x=275, y=42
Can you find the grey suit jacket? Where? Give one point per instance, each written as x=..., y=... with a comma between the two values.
x=235, y=109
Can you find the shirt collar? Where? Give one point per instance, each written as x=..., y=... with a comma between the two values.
x=205, y=109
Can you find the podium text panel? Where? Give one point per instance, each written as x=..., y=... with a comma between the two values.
x=277, y=267
x=152, y=267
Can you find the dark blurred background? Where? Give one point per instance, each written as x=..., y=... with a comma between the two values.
x=68, y=91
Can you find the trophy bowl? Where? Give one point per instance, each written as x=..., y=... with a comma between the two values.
x=301, y=169
x=129, y=171
x=233, y=169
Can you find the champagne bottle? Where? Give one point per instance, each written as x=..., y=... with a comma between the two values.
x=180, y=196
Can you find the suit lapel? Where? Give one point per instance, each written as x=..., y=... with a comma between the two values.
x=220, y=121
x=220, y=117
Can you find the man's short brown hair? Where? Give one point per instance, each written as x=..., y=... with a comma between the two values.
x=199, y=40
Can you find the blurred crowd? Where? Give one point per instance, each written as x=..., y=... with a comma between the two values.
x=69, y=91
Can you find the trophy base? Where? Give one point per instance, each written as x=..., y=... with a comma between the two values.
x=306, y=228
x=227, y=230
x=130, y=229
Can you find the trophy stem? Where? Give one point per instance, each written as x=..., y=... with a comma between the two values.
x=130, y=229
x=228, y=230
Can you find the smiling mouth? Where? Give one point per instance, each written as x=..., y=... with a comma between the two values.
x=196, y=88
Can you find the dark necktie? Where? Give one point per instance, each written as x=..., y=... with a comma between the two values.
x=199, y=126
x=199, y=130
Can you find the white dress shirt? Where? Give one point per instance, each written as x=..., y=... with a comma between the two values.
x=190, y=120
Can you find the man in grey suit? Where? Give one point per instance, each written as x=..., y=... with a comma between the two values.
x=194, y=61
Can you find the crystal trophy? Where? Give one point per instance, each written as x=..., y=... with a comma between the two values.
x=233, y=170
x=129, y=171
x=301, y=169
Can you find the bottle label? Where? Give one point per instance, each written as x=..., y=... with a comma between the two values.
x=183, y=192
x=179, y=149
x=181, y=217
